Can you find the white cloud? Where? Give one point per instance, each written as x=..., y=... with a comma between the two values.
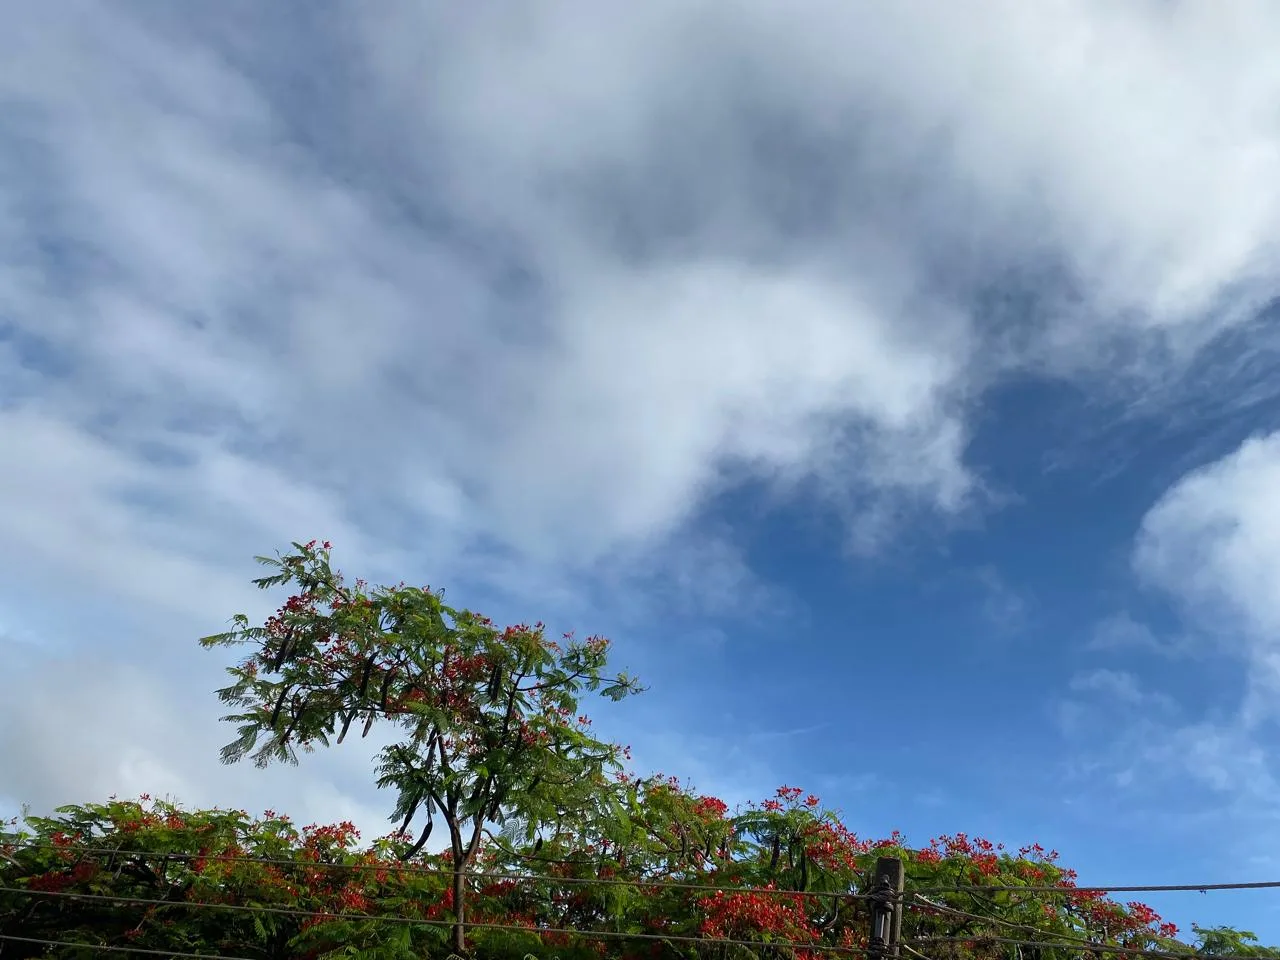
x=1003, y=607
x=1215, y=536
x=1221, y=756
x=1120, y=633
x=708, y=364
x=1119, y=685
x=680, y=325
x=80, y=729
x=1119, y=716
x=1138, y=138
x=510, y=297
x=1213, y=542
x=102, y=518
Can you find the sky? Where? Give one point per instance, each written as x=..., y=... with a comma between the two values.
x=897, y=385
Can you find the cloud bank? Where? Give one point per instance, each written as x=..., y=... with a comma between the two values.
x=517, y=294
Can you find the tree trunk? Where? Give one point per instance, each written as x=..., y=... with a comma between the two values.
x=461, y=861
x=463, y=857
x=459, y=909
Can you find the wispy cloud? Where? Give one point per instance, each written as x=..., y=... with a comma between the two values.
x=1119, y=685
x=1214, y=542
x=1121, y=632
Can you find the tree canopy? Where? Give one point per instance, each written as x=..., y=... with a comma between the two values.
x=491, y=716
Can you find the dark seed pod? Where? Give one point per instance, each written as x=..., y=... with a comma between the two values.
x=422, y=841
x=293, y=725
x=413, y=808
x=496, y=805
x=286, y=648
x=386, y=686
x=275, y=714
x=364, y=679
x=346, y=724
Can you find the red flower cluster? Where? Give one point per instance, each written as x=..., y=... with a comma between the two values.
x=340, y=835
x=894, y=839
x=831, y=846
x=710, y=807
x=354, y=901
x=960, y=845
x=737, y=916
x=54, y=881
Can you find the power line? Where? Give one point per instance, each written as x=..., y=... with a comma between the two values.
x=914, y=952
x=665, y=884
x=234, y=907
x=965, y=915
x=470, y=924
x=442, y=872
x=999, y=921
x=103, y=946
x=1158, y=888
x=1059, y=944
x=1063, y=940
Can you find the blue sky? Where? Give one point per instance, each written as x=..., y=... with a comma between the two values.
x=894, y=383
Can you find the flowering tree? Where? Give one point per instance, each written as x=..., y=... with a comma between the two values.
x=147, y=874
x=491, y=715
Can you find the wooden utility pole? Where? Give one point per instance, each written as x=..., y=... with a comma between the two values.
x=886, y=909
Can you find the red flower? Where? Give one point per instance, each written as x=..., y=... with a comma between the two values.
x=710, y=806
x=749, y=914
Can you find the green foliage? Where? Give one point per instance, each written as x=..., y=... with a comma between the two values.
x=491, y=717
x=1227, y=942
x=155, y=860
x=172, y=878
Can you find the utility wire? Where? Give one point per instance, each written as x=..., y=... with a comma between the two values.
x=1160, y=888
x=1063, y=940
x=103, y=946
x=442, y=872
x=475, y=925
x=965, y=915
x=999, y=921
x=913, y=951
x=1058, y=944
x=665, y=884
